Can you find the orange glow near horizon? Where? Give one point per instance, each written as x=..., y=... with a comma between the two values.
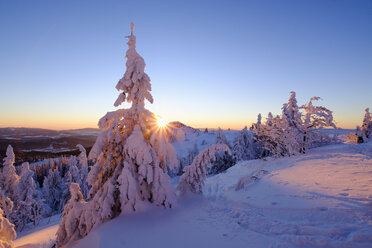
x=64, y=121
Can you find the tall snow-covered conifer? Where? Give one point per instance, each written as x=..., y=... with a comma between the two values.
x=8, y=177
x=131, y=156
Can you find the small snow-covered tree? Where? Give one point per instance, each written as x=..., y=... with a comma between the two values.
x=52, y=189
x=7, y=232
x=83, y=171
x=65, y=195
x=31, y=207
x=192, y=153
x=72, y=167
x=359, y=135
x=69, y=226
x=185, y=161
x=269, y=119
x=220, y=137
x=131, y=154
x=366, y=130
x=315, y=117
x=292, y=125
x=195, y=174
x=8, y=176
x=243, y=146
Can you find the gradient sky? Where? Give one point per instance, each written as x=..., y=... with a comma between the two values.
x=211, y=63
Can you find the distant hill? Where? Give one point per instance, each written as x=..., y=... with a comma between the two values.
x=32, y=144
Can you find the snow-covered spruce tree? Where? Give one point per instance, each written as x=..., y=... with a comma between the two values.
x=72, y=175
x=195, y=174
x=65, y=195
x=192, y=153
x=293, y=128
x=366, y=129
x=77, y=172
x=185, y=161
x=69, y=226
x=269, y=119
x=243, y=146
x=7, y=232
x=31, y=206
x=220, y=137
x=8, y=176
x=52, y=190
x=131, y=156
x=83, y=171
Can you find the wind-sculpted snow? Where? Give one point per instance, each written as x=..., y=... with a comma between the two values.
x=321, y=199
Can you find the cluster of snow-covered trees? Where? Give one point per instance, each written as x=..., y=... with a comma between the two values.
x=37, y=190
x=294, y=131
x=133, y=158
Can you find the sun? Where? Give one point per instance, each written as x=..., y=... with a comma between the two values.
x=161, y=122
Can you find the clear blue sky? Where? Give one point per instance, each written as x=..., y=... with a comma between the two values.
x=212, y=63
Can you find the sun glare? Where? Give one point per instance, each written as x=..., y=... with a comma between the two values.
x=161, y=122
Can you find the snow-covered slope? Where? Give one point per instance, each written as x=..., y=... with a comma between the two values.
x=42, y=236
x=319, y=199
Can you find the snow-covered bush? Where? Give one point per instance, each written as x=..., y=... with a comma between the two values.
x=193, y=178
x=7, y=232
x=131, y=155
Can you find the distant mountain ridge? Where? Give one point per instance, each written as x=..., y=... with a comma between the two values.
x=32, y=144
